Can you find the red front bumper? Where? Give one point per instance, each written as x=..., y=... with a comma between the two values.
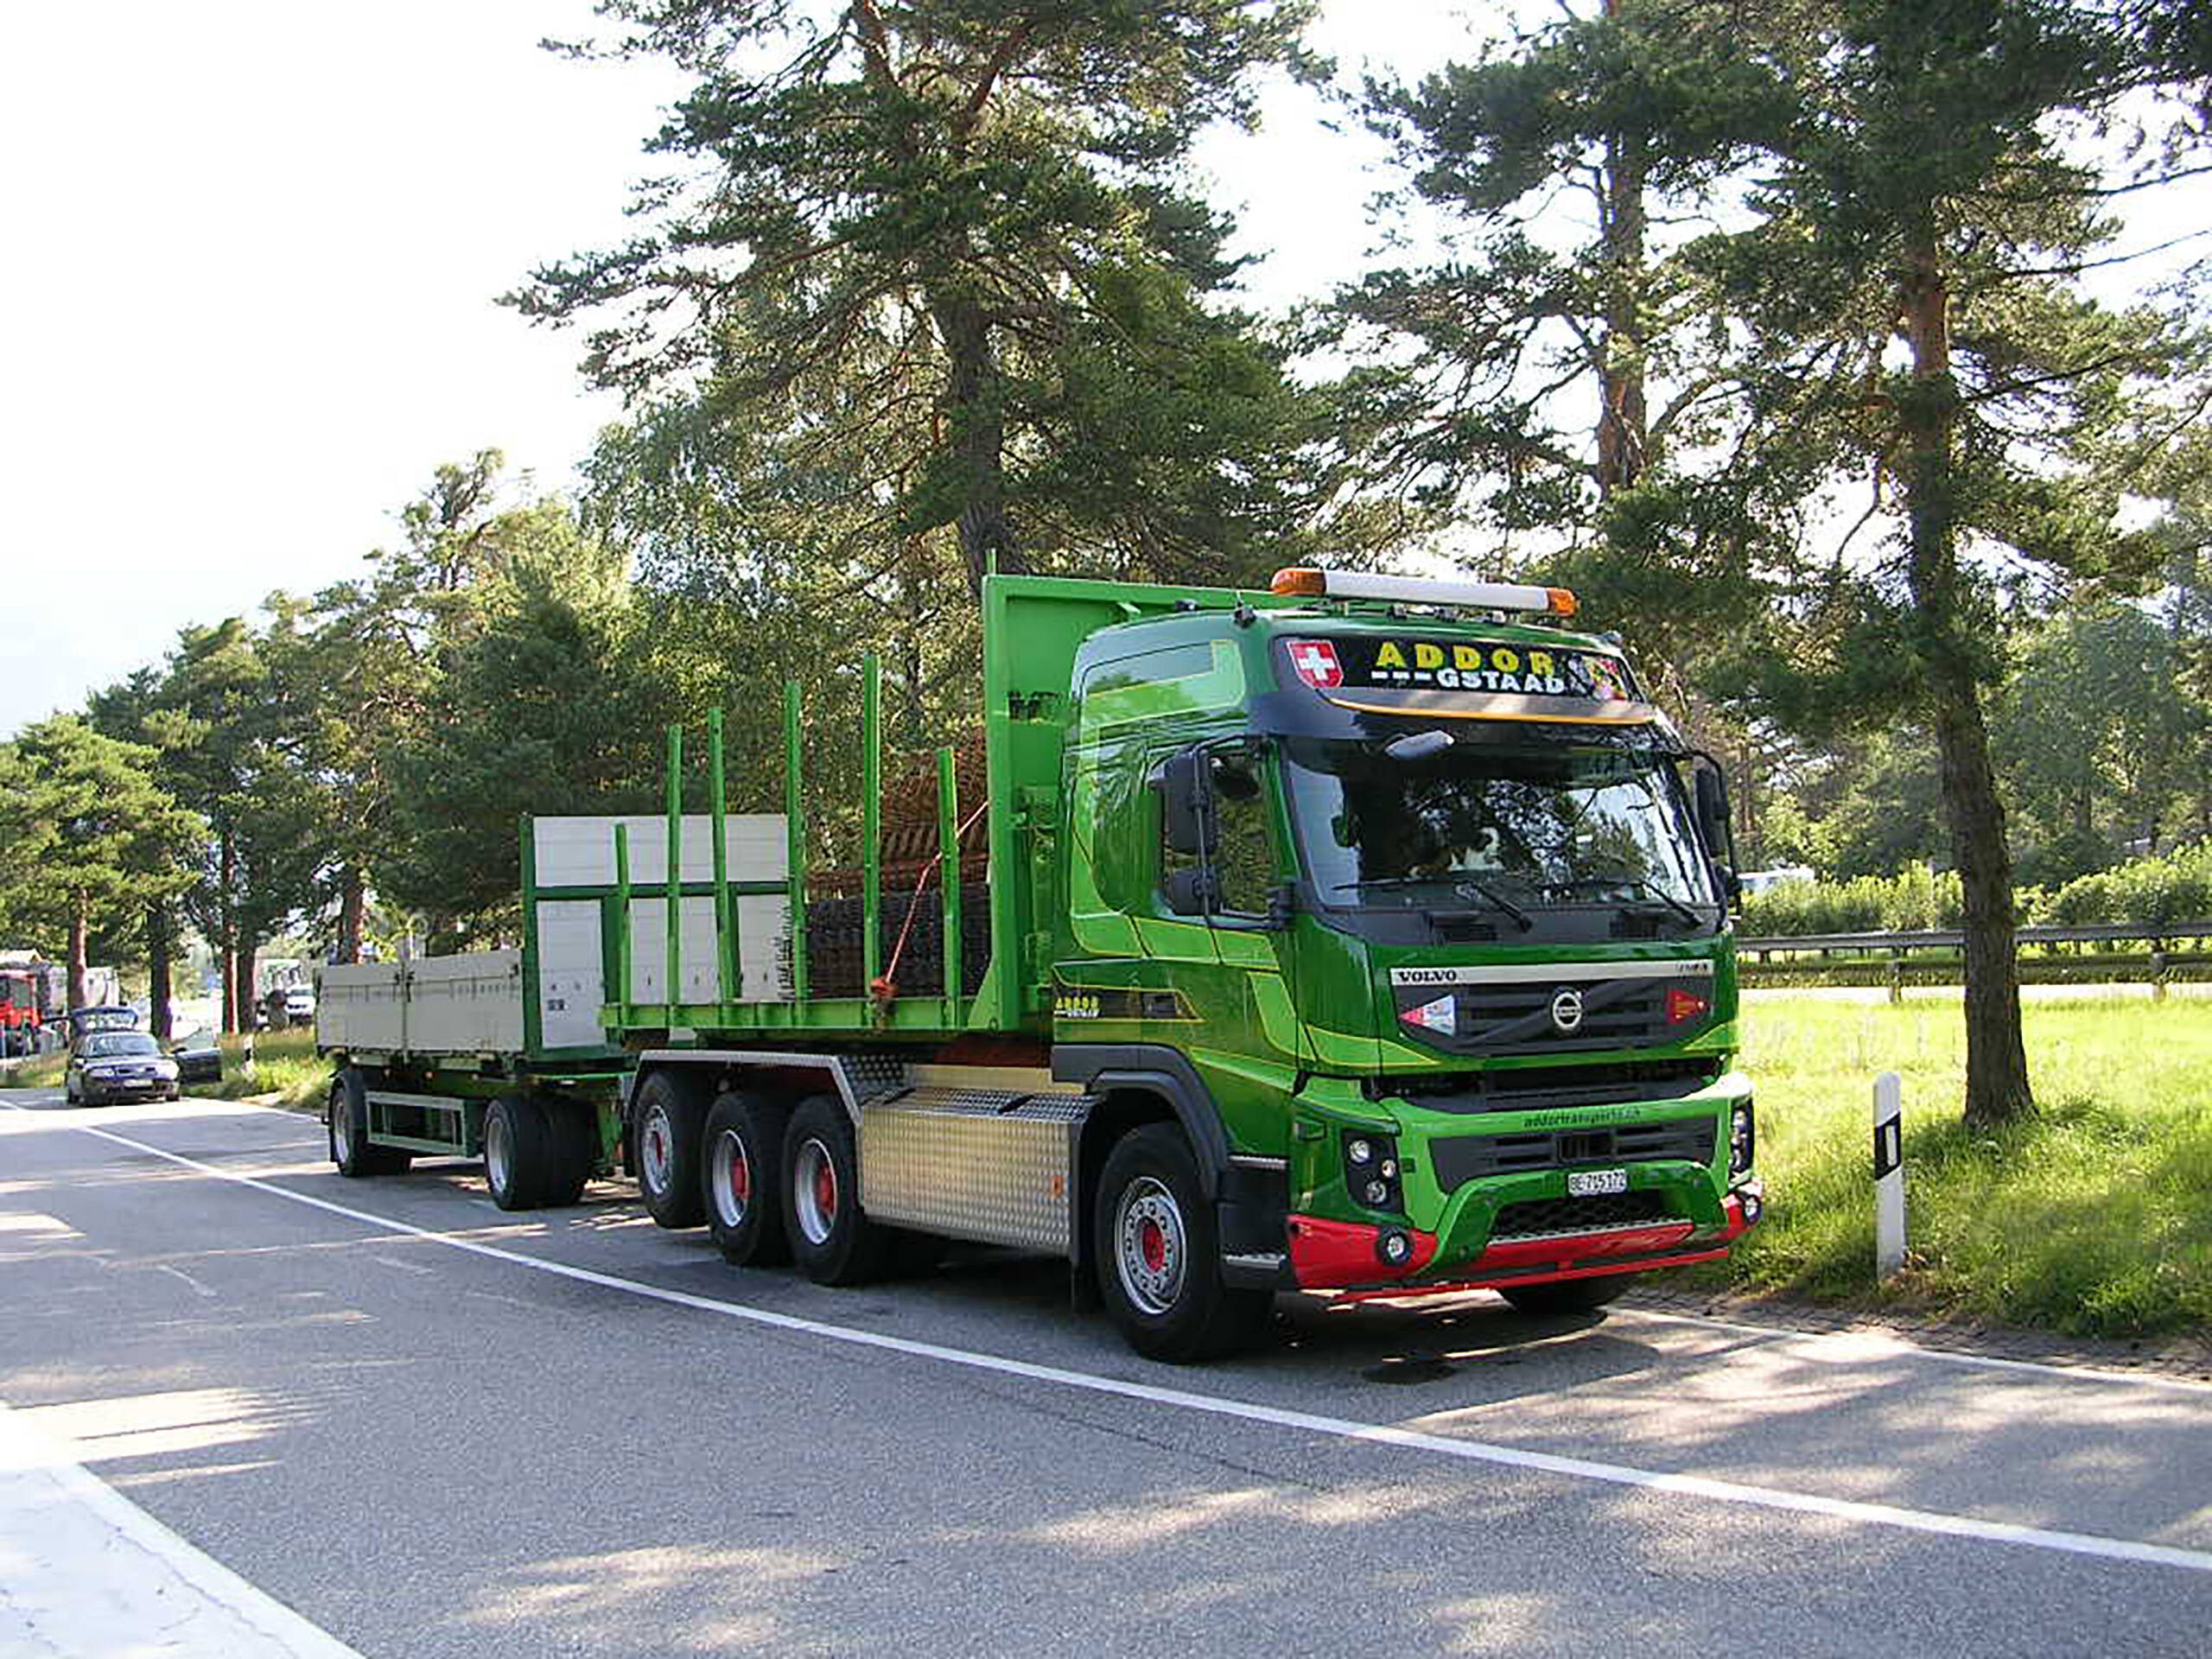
x=1344, y=1256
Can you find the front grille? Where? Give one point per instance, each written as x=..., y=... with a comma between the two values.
x=1543, y=1218
x=1517, y=1016
x=1531, y=1088
x=1463, y=1158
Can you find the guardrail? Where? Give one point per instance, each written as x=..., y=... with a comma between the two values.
x=1891, y=954
x=2157, y=936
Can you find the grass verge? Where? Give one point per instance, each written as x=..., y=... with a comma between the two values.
x=2094, y=1219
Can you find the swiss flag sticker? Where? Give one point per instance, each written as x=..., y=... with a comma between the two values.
x=1316, y=665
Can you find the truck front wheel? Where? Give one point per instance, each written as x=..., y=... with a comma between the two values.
x=1158, y=1255
x=833, y=1242
x=672, y=1120
x=743, y=1161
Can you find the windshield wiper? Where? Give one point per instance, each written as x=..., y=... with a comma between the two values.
x=1641, y=886
x=1459, y=881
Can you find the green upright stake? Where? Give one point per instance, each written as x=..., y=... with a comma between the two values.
x=948, y=845
x=795, y=838
x=675, y=939
x=622, y=919
x=871, y=820
x=725, y=911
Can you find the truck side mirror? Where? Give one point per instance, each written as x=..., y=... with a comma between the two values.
x=1716, y=826
x=1185, y=781
x=1192, y=891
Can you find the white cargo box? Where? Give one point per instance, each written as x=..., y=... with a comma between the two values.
x=433, y=1005
x=473, y=1004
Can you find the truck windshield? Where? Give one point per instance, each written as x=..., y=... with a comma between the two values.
x=1510, y=830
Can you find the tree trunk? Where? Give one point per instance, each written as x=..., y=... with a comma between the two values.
x=352, y=899
x=975, y=425
x=158, y=947
x=1997, y=1066
x=79, y=927
x=1624, y=421
x=242, y=997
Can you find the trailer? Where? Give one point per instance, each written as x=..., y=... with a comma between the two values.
x=1367, y=935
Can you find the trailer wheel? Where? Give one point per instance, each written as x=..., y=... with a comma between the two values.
x=517, y=1152
x=672, y=1119
x=1567, y=1295
x=745, y=1156
x=348, y=1121
x=572, y=1142
x=1158, y=1255
x=833, y=1242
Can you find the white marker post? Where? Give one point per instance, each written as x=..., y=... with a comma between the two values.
x=1888, y=1174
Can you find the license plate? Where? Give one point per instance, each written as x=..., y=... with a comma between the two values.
x=1594, y=1183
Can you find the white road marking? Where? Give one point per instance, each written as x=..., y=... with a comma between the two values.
x=1724, y=1491
x=87, y=1571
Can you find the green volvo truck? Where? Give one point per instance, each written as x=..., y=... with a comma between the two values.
x=1367, y=935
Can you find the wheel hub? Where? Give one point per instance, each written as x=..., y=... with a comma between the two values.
x=1152, y=1254
x=733, y=1178
x=653, y=1152
x=814, y=1192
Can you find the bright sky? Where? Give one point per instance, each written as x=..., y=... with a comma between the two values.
x=254, y=249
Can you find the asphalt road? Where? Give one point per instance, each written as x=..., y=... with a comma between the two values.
x=434, y=1429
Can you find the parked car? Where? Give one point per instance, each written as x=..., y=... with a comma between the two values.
x=299, y=1006
x=110, y=1065
x=198, y=1058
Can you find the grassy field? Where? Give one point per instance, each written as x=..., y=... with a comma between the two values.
x=2094, y=1219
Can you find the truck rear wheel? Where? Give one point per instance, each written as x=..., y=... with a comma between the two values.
x=572, y=1130
x=1158, y=1255
x=1567, y=1295
x=671, y=1121
x=743, y=1161
x=349, y=1121
x=518, y=1152
x=832, y=1241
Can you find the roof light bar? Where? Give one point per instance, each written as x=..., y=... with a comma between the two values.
x=1421, y=590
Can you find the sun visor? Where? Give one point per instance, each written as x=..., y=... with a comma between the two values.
x=1430, y=677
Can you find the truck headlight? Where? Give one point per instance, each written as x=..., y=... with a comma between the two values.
x=1743, y=1138
x=1371, y=1171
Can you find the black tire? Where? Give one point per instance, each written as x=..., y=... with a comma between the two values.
x=1567, y=1295
x=738, y=1171
x=574, y=1127
x=517, y=1152
x=1157, y=1251
x=831, y=1239
x=347, y=1119
x=671, y=1121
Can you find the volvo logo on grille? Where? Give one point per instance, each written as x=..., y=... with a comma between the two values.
x=1567, y=1010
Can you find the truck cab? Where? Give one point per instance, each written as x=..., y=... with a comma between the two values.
x=1433, y=905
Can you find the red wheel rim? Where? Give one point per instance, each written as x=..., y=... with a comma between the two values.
x=1154, y=1242
x=825, y=1188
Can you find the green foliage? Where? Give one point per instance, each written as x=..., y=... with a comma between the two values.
x=2177, y=888
x=87, y=837
x=542, y=703
x=1913, y=900
x=932, y=253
